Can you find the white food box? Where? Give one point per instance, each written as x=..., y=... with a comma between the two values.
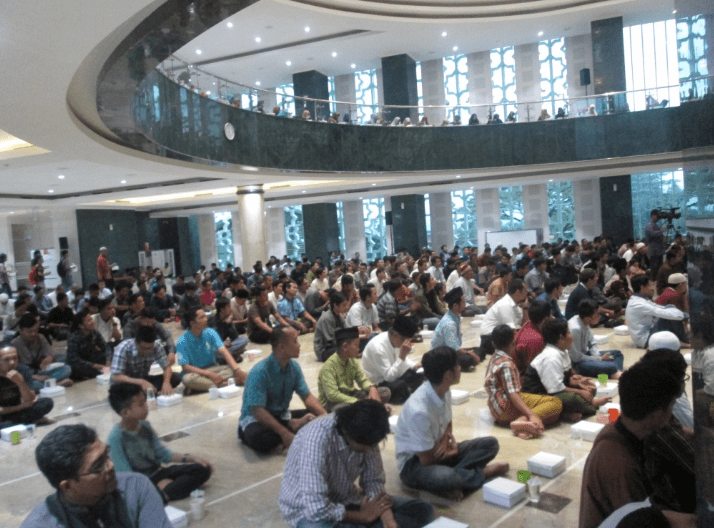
x=459, y=396
x=53, y=392
x=601, y=339
x=155, y=370
x=604, y=409
x=546, y=464
x=445, y=522
x=5, y=433
x=178, y=518
x=504, y=492
x=586, y=430
x=621, y=330
x=53, y=366
x=169, y=401
x=229, y=391
x=393, y=424
x=608, y=390
x=426, y=333
x=102, y=379
x=688, y=358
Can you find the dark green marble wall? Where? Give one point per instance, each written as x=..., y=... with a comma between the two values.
x=189, y=127
x=409, y=223
x=322, y=234
x=616, y=205
x=608, y=56
x=400, y=86
x=311, y=84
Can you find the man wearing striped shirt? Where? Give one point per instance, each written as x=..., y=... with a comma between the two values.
x=324, y=461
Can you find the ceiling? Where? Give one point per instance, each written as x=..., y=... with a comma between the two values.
x=45, y=44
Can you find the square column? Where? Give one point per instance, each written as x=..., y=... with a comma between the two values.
x=311, y=84
x=442, y=225
x=608, y=73
x=354, y=229
x=400, y=85
x=409, y=223
x=578, y=55
x=488, y=207
x=527, y=81
x=587, y=209
x=275, y=227
x=207, y=239
x=616, y=207
x=480, y=92
x=432, y=84
x=322, y=234
x=535, y=208
x=345, y=91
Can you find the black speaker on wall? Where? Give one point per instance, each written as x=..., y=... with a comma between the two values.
x=64, y=244
x=585, y=77
x=388, y=217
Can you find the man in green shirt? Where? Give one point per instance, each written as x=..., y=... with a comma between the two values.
x=341, y=380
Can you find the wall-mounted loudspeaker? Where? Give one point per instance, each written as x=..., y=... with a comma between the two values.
x=585, y=77
x=64, y=244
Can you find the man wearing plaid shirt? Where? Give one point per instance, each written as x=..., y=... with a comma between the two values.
x=325, y=459
x=132, y=361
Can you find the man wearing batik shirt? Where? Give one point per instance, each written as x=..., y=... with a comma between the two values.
x=326, y=458
x=526, y=414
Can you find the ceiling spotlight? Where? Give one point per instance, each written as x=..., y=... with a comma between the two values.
x=123, y=182
x=458, y=175
x=456, y=48
x=229, y=24
x=540, y=33
x=198, y=52
x=208, y=93
x=444, y=33
x=374, y=185
x=550, y=180
x=61, y=177
x=257, y=39
x=674, y=11
x=288, y=63
x=353, y=65
x=51, y=191
x=257, y=83
x=307, y=29
x=334, y=54
x=304, y=192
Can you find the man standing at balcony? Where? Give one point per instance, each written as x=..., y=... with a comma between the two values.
x=104, y=269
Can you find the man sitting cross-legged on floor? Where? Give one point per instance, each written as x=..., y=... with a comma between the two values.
x=552, y=374
x=585, y=355
x=196, y=353
x=18, y=402
x=448, y=331
x=266, y=420
x=135, y=447
x=526, y=414
x=327, y=457
x=428, y=455
x=340, y=373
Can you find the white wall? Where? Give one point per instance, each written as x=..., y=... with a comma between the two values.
x=588, y=213
x=275, y=227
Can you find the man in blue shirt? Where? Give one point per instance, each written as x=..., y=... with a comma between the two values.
x=196, y=352
x=266, y=421
x=553, y=290
x=293, y=310
x=448, y=331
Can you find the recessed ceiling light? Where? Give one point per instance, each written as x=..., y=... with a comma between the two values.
x=456, y=48
x=257, y=39
x=198, y=52
x=540, y=33
x=334, y=54
x=208, y=93
x=304, y=192
x=51, y=191
x=288, y=63
x=550, y=180
x=374, y=185
x=353, y=65
x=674, y=11
x=444, y=33
x=458, y=175
x=123, y=182
x=229, y=24
x=307, y=29
x=61, y=177
x=257, y=83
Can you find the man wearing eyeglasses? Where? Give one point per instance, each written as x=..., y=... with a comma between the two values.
x=89, y=492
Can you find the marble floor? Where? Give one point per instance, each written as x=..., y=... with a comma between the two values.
x=244, y=489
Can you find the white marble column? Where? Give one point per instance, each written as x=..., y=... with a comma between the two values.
x=442, y=225
x=251, y=212
x=588, y=213
x=488, y=210
x=354, y=229
x=432, y=83
x=578, y=55
x=535, y=209
x=480, y=92
x=345, y=91
x=275, y=226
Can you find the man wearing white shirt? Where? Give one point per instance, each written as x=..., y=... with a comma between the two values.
x=468, y=287
x=108, y=326
x=508, y=310
x=435, y=269
x=364, y=312
x=453, y=277
x=7, y=305
x=385, y=360
x=378, y=280
x=642, y=314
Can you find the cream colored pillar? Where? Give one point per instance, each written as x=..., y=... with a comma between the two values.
x=251, y=212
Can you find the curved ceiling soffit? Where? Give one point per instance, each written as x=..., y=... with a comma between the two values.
x=460, y=10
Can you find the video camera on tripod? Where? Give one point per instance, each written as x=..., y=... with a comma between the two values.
x=668, y=213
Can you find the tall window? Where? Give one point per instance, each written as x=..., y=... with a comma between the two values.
x=511, y=207
x=286, y=99
x=366, y=95
x=651, y=64
x=561, y=215
x=249, y=100
x=503, y=80
x=375, y=229
x=456, y=85
x=223, y=222
x=341, y=225
x=420, y=91
x=463, y=217
x=294, y=231
x=699, y=189
x=553, y=73
x=656, y=189
x=692, y=55
x=427, y=218
x=331, y=94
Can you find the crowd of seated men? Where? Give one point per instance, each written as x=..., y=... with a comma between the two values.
x=540, y=370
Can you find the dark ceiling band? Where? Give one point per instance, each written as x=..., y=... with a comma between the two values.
x=250, y=190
